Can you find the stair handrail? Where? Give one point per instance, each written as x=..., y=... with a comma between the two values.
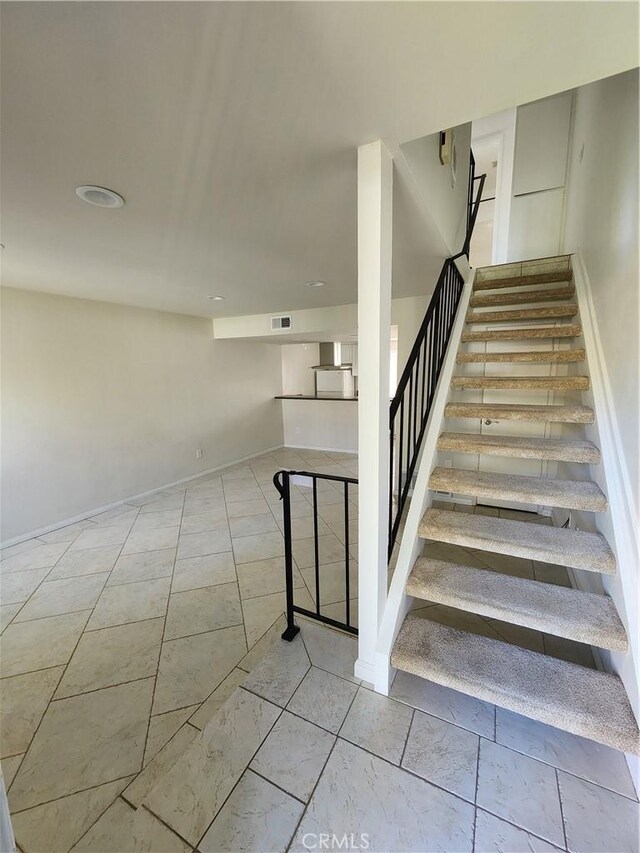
x=429, y=348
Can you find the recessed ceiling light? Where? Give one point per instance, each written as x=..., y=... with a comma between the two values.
x=99, y=196
x=216, y=298
x=316, y=283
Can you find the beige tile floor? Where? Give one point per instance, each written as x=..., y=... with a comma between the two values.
x=123, y=637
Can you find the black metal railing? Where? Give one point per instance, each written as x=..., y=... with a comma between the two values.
x=309, y=479
x=410, y=407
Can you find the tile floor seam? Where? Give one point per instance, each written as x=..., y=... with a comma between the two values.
x=309, y=801
x=407, y=770
x=475, y=798
x=144, y=807
x=517, y=826
x=162, y=640
x=235, y=569
x=562, y=817
x=73, y=793
x=65, y=666
x=97, y=689
x=270, y=781
x=246, y=766
x=406, y=740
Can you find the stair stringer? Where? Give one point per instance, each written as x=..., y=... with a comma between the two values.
x=619, y=523
x=398, y=602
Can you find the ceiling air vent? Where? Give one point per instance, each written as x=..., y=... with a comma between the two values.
x=279, y=323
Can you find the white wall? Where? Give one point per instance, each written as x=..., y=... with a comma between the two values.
x=323, y=424
x=297, y=361
x=101, y=402
x=602, y=223
x=447, y=203
x=539, y=175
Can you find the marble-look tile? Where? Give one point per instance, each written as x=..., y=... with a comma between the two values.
x=293, y=755
x=9, y=768
x=18, y=586
x=197, y=572
x=239, y=509
x=145, y=566
x=250, y=525
x=190, y=795
x=217, y=699
x=7, y=612
x=96, y=537
x=323, y=699
x=157, y=520
x=248, y=549
x=256, y=817
x=242, y=491
x=19, y=548
x=162, y=502
x=260, y=614
x=506, y=781
x=265, y=577
x=330, y=650
x=28, y=646
x=465, y=711
x=201, y=505
x=119, y=515
x=24, y=701
x=201, y=522
x=122, y=828
x=160, y=765
x=581, y=757
x=569, y=650
x=497, y=836
x=153, y=539
x=377, y=724
x=84, y=741
x=551, y=573
x=163, y=727
x=598, y=821
x=192, y=667
x=57, y=826
x=396, y=810
x=330, y=550
x=443, y=754
x=280, y=672
x=332, y=581
x=338, y=611
x=130, y=602
x=202, y=544
x=40, y=557
x=517, y=635
x=205, y=609
x=67, y=595
x=302, y=526
x=271, y=637
x=89, y=561
x=113, y=656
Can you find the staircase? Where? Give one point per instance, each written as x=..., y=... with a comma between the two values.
x=514, y=304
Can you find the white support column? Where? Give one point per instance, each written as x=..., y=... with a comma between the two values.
x=375, y=202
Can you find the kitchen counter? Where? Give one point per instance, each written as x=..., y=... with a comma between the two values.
x=313, y=397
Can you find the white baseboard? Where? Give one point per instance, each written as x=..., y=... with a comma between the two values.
x=322, y=449
x=365, y=671
x=96, y=510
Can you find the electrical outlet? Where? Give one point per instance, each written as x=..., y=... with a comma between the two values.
x=199, y=453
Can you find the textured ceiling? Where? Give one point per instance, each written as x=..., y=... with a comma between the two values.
x=231, y=130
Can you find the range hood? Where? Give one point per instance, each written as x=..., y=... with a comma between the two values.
x=331, y=358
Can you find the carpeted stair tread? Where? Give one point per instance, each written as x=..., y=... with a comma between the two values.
x=522, y=383
x=586, y=702
x=584, y=495
x=521, y=412
x=546, y=313
x=543, y=356
x=574, y=548
x=557, y=610
x=521, y=296
x=527, y=333
x=523, y=280
x=520, y=447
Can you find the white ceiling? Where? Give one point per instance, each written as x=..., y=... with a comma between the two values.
x=231, y=129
